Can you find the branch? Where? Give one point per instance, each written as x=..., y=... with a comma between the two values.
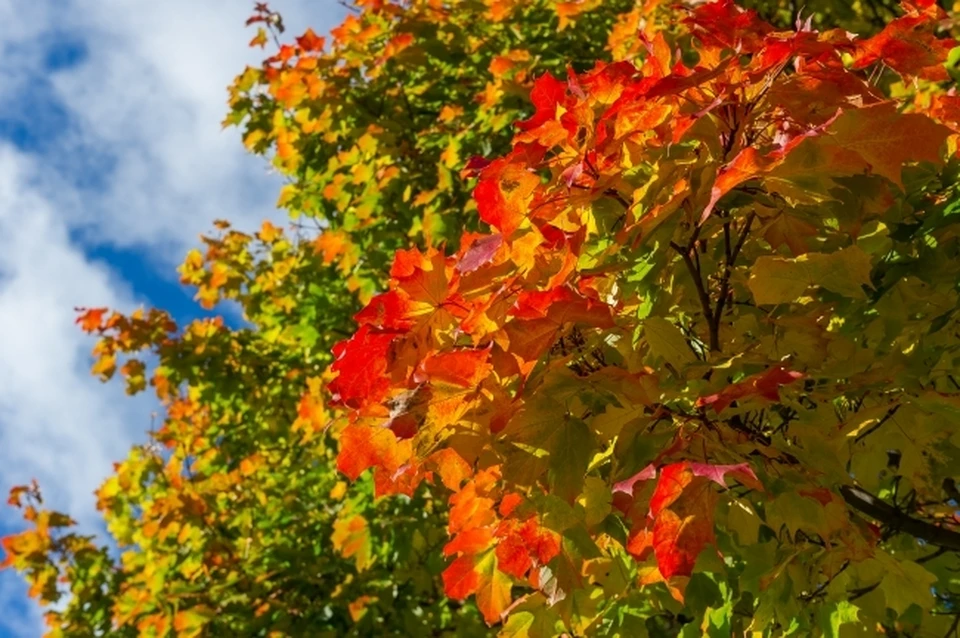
x=731, y=258
x=876, y=426
x=615, y=194
x=866, y=503
x=701, y=293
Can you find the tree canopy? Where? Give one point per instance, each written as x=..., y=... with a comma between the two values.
x=594, y=318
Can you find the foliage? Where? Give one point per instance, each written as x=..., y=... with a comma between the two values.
x=373, y=131
x=232, y=519
x=709, y=330
x=681, y=364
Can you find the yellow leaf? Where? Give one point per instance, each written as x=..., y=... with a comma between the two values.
x=666, y=341
x=777, y=280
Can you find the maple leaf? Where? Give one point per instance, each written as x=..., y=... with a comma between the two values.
x=479, y=253
x=725, y=25
x=778, y=280
x=363, y=447
x=361, y=364
x=351, y=537
x=478, y=574
x=90, y=319
x=887, y=140
x=682, y=509
x=909, y=45
x=310, y=42
x=765, y=385
x=504, y=193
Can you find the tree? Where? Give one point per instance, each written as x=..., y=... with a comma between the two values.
x=682, y=364
x=705, y=345
x=232, y=519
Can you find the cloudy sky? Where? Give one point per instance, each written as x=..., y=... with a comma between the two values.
x=112, y=162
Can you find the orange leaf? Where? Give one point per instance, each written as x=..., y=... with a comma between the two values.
x=90, y=320
x=478, y=574
x=363, y=447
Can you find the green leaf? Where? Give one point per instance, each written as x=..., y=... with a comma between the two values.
x=776, y=280
x=668, y=342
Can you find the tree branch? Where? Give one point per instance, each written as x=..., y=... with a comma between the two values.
x=731, y=258
x=876, y=426
x=701, y=293
x=866, y=503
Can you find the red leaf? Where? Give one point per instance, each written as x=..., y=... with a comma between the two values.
x=459, y=579
x=724, y=25
x=470, y=541
x=310, y=41
x=766, y=385
x=626, y=486
x=909, y=46
x=388, y=310
x=91, y=319
x=361, y=365
x=504, y=193
x=717, y=473
x=682, y=507
x=674, y=478
x=547, y=93
x=465, y=368
x=480, y=253
x=478, y=574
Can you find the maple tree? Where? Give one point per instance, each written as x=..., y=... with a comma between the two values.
x=674, y=355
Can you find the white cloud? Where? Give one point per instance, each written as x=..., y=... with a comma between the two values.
x=57, y=423
x=146, y=104
x=143, y=165
x=60, y=425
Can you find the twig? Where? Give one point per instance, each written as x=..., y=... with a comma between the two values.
x=866, y=503
x=701, y=293
x=876, y=426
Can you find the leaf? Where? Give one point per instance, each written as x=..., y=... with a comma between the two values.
x=503, y=194
x=478, y=574
x=764, y=385
x=532, y=619
x=905, y=583
x=361, y=364
x=775, y=280
x=91, y=319
x=544, y=443
x=351, y=538
x=668, y=342
x=790, y=230
x=717, y=473
x=596, y=500
x=887, y=140
x=465, y=368
x=683, y=506
x=908, y=45
x=627, y=486
x=363, y=447
x=835, y=615
x=480, y=253
x=190, y=622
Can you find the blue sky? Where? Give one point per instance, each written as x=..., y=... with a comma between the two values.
x=112, y=162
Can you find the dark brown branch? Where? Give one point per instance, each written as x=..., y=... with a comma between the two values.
x=866, y=503
x=876, y=426
x=822, y=586
x=701, y=293
x=610, y=192
x=731, y=258
x=863, y=591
